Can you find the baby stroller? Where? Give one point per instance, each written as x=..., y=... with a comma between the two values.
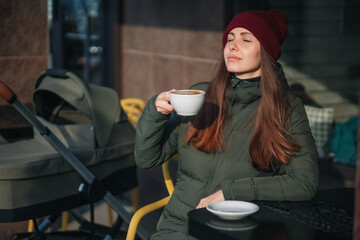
x=82, y=152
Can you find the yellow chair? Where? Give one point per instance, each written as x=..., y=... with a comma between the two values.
x=133, y=108
x=135, y=220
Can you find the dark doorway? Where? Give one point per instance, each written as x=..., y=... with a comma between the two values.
x=82, y=38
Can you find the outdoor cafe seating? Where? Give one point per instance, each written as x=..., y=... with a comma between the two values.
x=328, y=216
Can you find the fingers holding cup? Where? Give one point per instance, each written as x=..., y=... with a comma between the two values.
x=162, y=103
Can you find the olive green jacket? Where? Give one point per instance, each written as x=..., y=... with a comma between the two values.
x=200, y=174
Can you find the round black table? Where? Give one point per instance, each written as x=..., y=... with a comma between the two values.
x=328, y=216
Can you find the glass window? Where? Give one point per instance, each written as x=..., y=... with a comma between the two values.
x=78, y=30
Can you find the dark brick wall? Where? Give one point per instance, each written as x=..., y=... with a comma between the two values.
x=23, y=53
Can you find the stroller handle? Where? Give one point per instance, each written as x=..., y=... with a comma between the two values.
x=6, y=93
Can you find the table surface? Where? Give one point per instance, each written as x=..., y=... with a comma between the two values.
x=328, y=216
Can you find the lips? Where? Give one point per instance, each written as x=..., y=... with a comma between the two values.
x=233, y=58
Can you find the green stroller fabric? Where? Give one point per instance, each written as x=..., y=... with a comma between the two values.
x=35, y=180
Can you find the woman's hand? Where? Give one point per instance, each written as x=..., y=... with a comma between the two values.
x=215, y=197
x=162, y=103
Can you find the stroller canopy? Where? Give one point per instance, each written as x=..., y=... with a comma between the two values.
x=101, y=105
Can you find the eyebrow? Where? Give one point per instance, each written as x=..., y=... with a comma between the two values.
x=242, y=33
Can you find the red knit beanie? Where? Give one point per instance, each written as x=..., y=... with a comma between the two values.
x=269, y=27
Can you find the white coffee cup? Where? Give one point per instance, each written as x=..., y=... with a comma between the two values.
x=187, y=102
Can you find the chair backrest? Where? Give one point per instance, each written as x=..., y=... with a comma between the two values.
x=133, y=107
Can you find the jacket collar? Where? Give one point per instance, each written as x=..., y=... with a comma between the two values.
x=235, y=81
x=244, y=91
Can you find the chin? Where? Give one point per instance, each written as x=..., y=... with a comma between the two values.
x=234, y=70
x=237, y=72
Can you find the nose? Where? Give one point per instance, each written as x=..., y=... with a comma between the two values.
x=233, y=45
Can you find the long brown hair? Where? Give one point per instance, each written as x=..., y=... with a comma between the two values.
x=271, y=143
x=206, y=130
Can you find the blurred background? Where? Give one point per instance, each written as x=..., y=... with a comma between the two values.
x=143, y=47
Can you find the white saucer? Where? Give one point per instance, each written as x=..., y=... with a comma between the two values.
x=232, y=210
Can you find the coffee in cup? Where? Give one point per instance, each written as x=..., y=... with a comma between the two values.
x=187, y=102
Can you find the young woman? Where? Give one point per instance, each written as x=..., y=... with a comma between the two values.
x=250, y=141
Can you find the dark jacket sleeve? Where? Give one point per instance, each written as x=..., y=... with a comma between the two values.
x=156, y=137
x=300, y=180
